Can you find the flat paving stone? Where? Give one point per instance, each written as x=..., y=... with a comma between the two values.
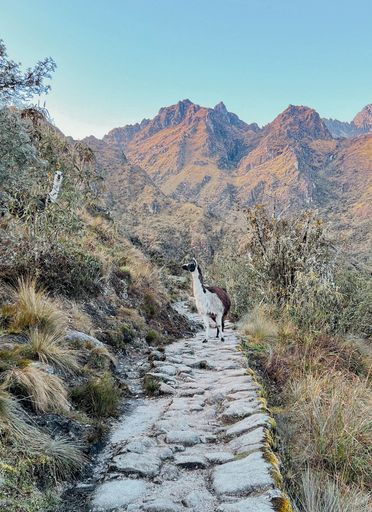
x=184, y=437
x=166, y=389
x=192, y=392
x=140, y=445
x=134, y=463
x=198, y=500
x=243, y=476
x=255, y=504
x=255, y=437
x=219, y=457
x=240, y=409
x=117, y=493
x=191, y=461
x=162, y=505
x=249, y=423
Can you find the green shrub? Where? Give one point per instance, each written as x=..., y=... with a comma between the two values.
x=152, y=336
x=61, y=267
x=149, y=304
x=100, y=396
x=151, y=385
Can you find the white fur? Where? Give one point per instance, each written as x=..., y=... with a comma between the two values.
x=207, y=303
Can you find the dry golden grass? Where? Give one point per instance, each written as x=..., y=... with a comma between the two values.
x=101, y=352
x=64, y=457
x=258, y=325
x=32, y=307
x=332, y=415
x=78, y=319
x=320, y=494
x=13, y=420
x=45, y=391
x=50, y=348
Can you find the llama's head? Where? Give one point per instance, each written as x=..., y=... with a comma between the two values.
x=192, y=266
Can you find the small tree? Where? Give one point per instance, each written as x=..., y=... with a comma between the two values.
x=282, y=250
x=17, y=85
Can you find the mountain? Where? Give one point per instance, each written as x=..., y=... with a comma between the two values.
x=160, y=225
x=361, y=124
x=207, y=161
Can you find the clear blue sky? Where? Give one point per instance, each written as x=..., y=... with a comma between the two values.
x=121, y=60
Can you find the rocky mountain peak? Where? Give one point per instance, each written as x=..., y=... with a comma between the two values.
x=363, y=120
x=299, y=122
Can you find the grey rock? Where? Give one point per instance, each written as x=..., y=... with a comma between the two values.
x=247, y=424
x=243, y=395
x=240, y=409
x=169, y=472
x=164, y=453
x=140, y=445
x=254, y=504
x=184, y=437
x=167, y=369
x=117, y=493
x=166, y=389
x=162, y=376
x=162, y=505
x=192, y=392
x=156, y=355
x=191, y=461
x=253, y=438
x=197, y=500
x=219, y=457
x=134, y=463
x=242, y=476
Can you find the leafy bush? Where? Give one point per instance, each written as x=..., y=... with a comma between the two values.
x=291, y=265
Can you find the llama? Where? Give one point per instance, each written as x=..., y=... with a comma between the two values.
x=211, y=301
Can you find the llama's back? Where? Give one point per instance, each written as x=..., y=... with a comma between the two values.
x=222, y=295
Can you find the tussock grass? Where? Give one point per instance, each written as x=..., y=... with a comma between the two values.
x=14, y=422
x=259, y=325
x=50, y=348
x=333, y=415
x=319, y=493
x=99, y=396
x=45, y=391
x=33, y=308
x=63, y=457
x=101, y=353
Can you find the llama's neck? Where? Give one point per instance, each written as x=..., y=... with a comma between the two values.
x=197, y=281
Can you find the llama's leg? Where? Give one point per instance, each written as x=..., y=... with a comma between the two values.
x=218, y=331
x=206, y=326
x=219, y=326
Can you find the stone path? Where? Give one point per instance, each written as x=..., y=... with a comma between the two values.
x=199, y=447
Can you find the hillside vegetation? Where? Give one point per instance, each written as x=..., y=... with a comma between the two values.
x=305, y=315
x=89, y=268
x=75, y=295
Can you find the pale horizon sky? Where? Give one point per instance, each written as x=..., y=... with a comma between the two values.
x=120, y=61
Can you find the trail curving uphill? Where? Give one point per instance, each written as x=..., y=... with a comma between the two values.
x=200, y=447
